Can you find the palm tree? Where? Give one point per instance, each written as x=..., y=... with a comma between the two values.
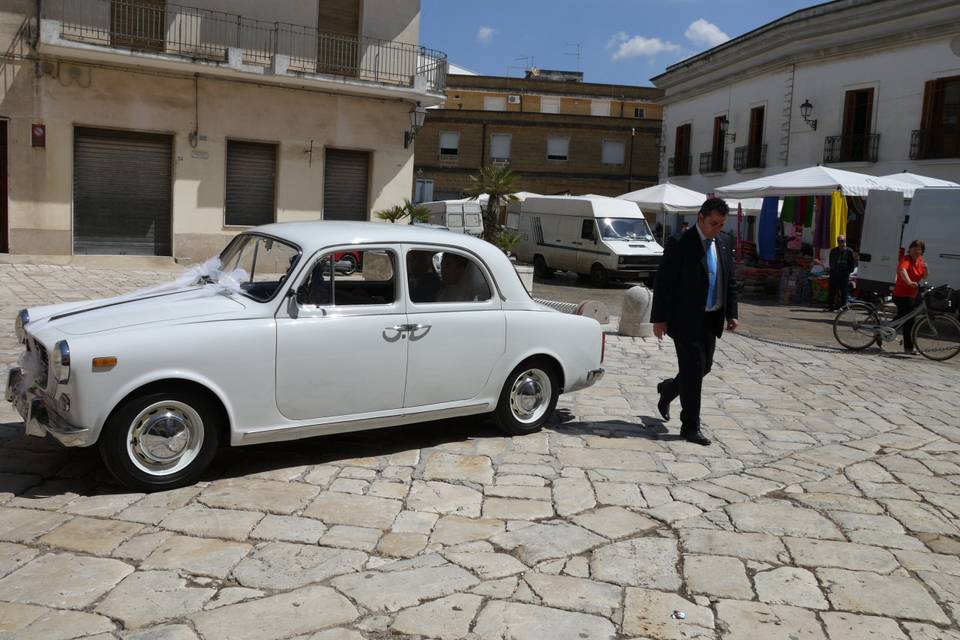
x=496, y=182
x=394, y=214
x=415, y=212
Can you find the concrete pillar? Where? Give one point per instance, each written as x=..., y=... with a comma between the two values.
x=635, y=316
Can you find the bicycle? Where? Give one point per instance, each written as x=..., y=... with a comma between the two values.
x=936, y=333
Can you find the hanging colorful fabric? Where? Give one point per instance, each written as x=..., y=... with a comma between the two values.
x=769, y=229
x=808, y=212
x=788, y=213
x=821, y=227
x=838, y=217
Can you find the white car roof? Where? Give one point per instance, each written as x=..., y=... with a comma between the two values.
x=596, y=206
x=312, y=236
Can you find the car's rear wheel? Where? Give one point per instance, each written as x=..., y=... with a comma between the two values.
x=160, y=440
x=540, y=268
x=528, y=398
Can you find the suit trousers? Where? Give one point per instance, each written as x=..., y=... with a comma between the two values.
x=694, y=359
x=839, y=286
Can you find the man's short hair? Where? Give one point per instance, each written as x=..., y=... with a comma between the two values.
x=714, y=204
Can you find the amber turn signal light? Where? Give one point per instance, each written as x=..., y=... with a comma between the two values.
x=103, y=363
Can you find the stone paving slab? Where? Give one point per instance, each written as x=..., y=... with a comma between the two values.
x=827, y=508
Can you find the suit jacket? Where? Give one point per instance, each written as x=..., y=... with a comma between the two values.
x=680, y=290
x=842, y=261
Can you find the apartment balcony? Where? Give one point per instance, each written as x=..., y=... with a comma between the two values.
x=851, y=148
x=713, y=162
x=750, y=157
x=679, y=166
x=160, y=35
x=935, y=144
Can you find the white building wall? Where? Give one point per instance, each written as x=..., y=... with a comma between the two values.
x=897, y=75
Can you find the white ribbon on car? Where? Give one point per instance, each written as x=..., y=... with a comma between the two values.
x=215, y=280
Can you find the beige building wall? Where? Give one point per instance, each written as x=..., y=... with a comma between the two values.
x=41, y=180
x=530, y=103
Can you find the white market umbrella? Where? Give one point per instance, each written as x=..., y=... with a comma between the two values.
x=916, y=181
x=812, y=181
x=666, y=198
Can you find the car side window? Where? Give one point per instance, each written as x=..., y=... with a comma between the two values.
x=587, y=231
x=350, y=278
x=443, y=276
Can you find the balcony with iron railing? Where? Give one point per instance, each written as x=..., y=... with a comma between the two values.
x=750, y=157
x=851, y=148
x=935, y=144
x=679, y=166
x=150, y=33
x=713, y=162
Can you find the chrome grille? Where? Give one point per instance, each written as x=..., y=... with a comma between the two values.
x=43, y=356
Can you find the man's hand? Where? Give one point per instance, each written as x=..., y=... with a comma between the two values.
x=732, y=324
x=659, y=329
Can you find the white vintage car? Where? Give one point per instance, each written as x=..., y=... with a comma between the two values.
x=281, y=338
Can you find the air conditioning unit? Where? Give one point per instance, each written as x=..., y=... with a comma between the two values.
x=513, y=99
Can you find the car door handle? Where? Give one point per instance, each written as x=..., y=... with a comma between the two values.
x=396, y=327
x=415, y=327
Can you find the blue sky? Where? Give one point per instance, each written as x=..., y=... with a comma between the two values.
x=621, y=41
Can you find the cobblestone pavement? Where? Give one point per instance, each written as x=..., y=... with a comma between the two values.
x=827, y=508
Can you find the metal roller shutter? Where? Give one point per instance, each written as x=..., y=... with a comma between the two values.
x=251, y=180
x=121, y=192
x=345, y=181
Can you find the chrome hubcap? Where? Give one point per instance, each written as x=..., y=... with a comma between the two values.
x=165, y=437
x=530, y=395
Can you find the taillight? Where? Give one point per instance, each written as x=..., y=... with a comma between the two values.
x=603, y=346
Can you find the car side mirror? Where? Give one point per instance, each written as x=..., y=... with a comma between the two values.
x=293, y=302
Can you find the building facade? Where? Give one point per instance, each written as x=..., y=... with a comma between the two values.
x=141, y=127
x=871, y=86
x=559, y=134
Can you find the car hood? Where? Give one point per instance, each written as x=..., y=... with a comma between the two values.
x=635, y=247
x=92, y=316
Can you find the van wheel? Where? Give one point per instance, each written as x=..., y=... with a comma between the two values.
x=160, y=440
x=528, y=398
x=540, y=268
x=598, y=275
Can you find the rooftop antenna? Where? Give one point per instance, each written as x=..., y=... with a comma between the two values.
x=528, y=62
x=576, y=53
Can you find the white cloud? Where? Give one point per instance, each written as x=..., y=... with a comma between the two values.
x=625, y=46
x=485, y=34
x=705, y=34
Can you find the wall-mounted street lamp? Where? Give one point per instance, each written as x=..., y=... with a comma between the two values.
x=417, y=115
x=806, y=109
x=724, y=125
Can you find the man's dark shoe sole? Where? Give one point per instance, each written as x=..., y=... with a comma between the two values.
x=696, y=437
x=662, y=405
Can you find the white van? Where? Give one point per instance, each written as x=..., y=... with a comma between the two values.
x=459, y=216
x=933, y=216
x=603, y=238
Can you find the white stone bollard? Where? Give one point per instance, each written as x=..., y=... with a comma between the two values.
x=635, y=316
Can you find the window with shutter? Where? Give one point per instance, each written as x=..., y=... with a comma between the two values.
x=449, y=144
x=251, y=178
x=549, y=104
x=500, y=146
x=338, y=44
x=613, y=151
x=600, y=108
x=639, y=112
x=558, y=147
x=494, y=103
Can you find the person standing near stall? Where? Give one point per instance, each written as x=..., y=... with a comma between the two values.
x=842, y=263
x=911, y=271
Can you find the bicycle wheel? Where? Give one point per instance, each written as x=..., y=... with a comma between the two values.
x=855, y=327
x=937, y=337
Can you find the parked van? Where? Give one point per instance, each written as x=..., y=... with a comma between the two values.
x=459, y=216
x=603, y=238
x=889, y=227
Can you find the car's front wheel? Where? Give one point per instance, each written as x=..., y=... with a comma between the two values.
x=528, y=397
x=160, y=440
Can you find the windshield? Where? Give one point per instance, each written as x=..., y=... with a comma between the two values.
x=266, y=261
x=624, y=229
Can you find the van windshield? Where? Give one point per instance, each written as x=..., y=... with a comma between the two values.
x=624, y=229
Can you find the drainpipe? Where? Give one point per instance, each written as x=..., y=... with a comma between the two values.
x=483, y=147
x=35, y=45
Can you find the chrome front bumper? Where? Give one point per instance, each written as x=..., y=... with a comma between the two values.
x=40, y=415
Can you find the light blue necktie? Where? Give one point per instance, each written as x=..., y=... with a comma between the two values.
x=711, y=275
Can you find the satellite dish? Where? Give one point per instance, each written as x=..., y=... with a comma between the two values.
x=534, y=71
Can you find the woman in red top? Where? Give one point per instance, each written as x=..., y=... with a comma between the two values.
x=910, y=273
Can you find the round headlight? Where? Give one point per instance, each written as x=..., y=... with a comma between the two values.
x=23, y=318
x=61, y=361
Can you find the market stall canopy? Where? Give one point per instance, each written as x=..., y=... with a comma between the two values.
x=917, y=181
x=812, y=181
x=666, y=198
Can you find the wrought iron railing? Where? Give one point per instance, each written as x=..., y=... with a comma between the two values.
x=679, y=166
x=931, y=144
x=158, y=27
x=750, y=157
x=851, y=148
x=713, y=162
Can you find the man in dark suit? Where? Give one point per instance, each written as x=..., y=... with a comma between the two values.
x=693, y=299
x=674, y=237
x=842, y=263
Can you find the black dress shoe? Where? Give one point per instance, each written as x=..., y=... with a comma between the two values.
x=663, y=405
x=696, y=437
